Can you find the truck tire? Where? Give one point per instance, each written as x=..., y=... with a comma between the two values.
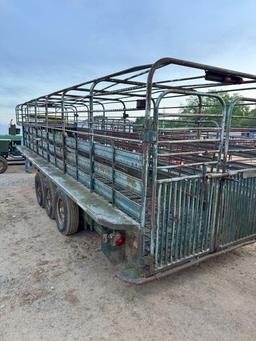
x=49, y=198
x=3, y=165
x=39, y=188
x=66, y=213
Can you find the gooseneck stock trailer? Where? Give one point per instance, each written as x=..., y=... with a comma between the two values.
x=159, y=159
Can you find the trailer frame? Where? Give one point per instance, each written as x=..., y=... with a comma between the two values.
x=179, y=181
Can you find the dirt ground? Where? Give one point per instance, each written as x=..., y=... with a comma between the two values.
x=63, y=288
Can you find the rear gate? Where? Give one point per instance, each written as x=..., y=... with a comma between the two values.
x=198, y=216
x=185, y=220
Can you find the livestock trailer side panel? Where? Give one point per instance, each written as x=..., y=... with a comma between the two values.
x=172, y=160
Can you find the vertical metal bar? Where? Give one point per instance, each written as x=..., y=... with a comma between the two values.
x=200, y=217
x=198, y=199
x=168, y=222
x=218, y=216
x=163, y=223
x=240, y=219
x=251, y=209
x=231, y=210
x=54, y=146
x=113, y=172
x=239, y=189
x=187, y=231
x=63, y=133
x=76, y=153
x=91, y=136
x=174, y=222
x=178, y=225
x=154, y=151
x=184, y=212
x=36, y=126
x=208, y=216
x=24, y=127
x=156, y=236
x=193, y=215
x=47, y=128
x=226, y=215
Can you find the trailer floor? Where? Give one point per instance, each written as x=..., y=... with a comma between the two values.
x=63, y=288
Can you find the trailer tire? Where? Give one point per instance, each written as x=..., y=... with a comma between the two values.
x=66, y=213
x=49, y=198
x=39, y=188
x=3, y=165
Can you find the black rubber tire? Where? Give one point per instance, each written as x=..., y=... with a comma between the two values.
x=3, y=165
x=39, y=188
x=49, y=197
x=66, y=213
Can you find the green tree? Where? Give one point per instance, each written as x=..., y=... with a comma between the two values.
x=242, y=115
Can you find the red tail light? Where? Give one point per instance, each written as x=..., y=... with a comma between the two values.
x=119, y=240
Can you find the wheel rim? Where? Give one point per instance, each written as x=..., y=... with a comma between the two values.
x=60, y=211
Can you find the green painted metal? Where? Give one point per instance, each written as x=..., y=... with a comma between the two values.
x=237, y=214
x=16, y=138
x=4, y=146
x=185, y=174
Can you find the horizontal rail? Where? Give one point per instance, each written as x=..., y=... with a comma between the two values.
x=189, y=115
x=191, y=152
x=188, y=141
x=187, y=165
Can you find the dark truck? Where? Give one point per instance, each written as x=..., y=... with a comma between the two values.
x=165, y=183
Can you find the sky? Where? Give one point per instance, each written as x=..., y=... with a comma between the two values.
x=51, y=44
